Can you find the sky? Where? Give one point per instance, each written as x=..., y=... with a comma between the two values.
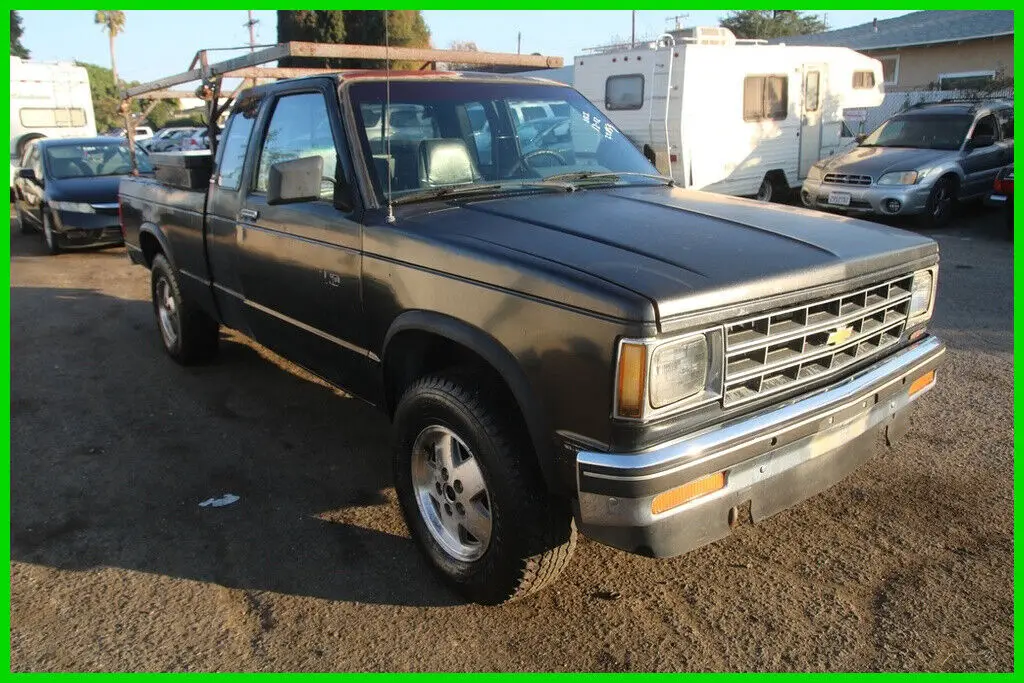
x=158, y=43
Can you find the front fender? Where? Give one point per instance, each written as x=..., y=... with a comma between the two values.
x=503, y=362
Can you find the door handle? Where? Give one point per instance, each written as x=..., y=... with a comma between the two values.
x=249, y=214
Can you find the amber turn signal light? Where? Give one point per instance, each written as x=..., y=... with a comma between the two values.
x=632, y=376
x=687, y=492
x=925, y=380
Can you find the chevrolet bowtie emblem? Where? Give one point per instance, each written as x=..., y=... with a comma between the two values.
x=838, y=336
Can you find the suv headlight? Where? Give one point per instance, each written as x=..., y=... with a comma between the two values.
x=899, y=178
x=655, y=377
x=922, y=295
x=76, y=207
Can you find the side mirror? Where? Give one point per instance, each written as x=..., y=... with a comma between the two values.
x=861, y=137
x=298, y=180
x=979, y=141
x=27, y=174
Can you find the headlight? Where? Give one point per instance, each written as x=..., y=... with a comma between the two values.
x=655, y=376
x=899, y=178
x=76, y=207
x=922, y=293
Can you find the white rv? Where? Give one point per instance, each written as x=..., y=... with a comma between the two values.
x=48, y=99
x=732, y=116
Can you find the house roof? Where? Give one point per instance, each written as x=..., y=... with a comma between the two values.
x=917, y=28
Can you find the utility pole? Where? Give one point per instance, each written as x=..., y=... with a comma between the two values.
x=251, y=24
x=519, y=44
x=632, y=33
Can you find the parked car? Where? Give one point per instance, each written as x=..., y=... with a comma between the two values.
x=67, y=189
x=197, y=140
x=1002, y=197
x=169, y=139
x=141, y=133
x=585, y=340
x=920, y=162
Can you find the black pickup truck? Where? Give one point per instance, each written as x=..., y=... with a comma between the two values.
x=562, y=338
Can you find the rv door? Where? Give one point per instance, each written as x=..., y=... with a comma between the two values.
x=810, y=117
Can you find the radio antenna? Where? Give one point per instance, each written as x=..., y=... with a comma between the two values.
x=387, y=112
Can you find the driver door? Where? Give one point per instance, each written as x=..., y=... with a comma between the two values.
x=982, y=163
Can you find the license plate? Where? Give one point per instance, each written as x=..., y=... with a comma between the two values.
x=839, y=198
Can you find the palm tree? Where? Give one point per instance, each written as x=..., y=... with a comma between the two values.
x=112, y=20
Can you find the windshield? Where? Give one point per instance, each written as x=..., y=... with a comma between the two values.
x=465, y=134
x=932, y=131
x=93, y=159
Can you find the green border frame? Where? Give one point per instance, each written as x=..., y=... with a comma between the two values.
x=5, y=331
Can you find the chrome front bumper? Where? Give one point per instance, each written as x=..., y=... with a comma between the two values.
x=772, y=459
x=867, y=199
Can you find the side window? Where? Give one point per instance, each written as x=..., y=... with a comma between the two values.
x=765, y=98
x=299, y=127
x=624, y=92
x=236, y=142
x=811, y=90
x=863, y=80
x=1006, y=123
x=986, y=126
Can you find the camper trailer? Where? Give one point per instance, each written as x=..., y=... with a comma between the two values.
x=48, y=100
x=738, y=117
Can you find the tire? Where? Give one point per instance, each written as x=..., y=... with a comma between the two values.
x=526, y=537
x=50, y=238
x=23, y=227
x=770, y=191
x=938, y=210
x=188, y=334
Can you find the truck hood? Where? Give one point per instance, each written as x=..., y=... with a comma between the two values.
x=874, y=161
x=689, y=251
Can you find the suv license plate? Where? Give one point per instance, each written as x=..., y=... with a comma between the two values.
x=839, y=198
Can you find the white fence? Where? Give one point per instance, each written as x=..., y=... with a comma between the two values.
x=895, y=102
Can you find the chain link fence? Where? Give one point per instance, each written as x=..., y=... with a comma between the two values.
x=895, y=102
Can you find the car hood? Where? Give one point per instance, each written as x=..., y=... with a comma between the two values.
x=94, y=190
x=874, y=161
x=687, y=251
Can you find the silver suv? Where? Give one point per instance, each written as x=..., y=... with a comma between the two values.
x=917, y=163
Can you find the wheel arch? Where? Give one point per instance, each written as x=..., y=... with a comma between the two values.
x=417, y=328
x=153, y=241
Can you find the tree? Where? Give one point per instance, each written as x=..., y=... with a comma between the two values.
x=311, y=26
x=777, y=23
x=406, y=28
x=112, y=21
x=462, y=46
x=17, y=49
x=106, y=101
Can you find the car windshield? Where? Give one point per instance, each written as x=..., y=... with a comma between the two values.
x=931, y=131
x=495, y=136
x=84, y=160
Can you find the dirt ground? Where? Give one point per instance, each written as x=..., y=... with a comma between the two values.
x=906, y=565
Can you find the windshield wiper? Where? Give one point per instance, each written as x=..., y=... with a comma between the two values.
x=611, y=175
x=463, y=190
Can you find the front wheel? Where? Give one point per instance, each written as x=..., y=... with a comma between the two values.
x=52, y=243
x=939, y=207
x=472, y=496
x=188, y=334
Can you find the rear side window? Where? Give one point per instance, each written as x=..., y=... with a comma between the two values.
x=765, y=98
x=863, y=80
x=235, y=144
x=300, y=127
x=624, y=92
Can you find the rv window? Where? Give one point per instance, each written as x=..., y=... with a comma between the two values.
x=863, y=80
x=765, y=98
x=51, y=118
x=624, y=92
x=811, y=90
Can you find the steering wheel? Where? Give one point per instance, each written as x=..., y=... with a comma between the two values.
x=535, y=153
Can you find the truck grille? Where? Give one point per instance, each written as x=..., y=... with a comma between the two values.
x=844, y=179
x=783, y=349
